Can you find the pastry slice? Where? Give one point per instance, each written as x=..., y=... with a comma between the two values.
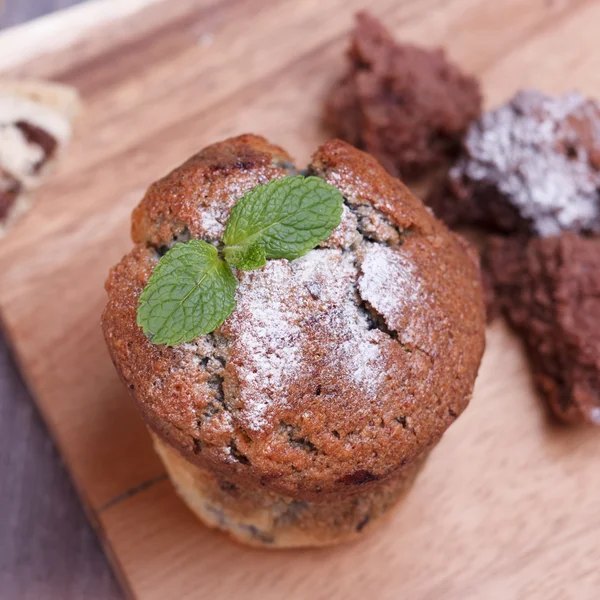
x=35, y=125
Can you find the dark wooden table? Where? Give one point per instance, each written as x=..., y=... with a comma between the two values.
x=47, y=548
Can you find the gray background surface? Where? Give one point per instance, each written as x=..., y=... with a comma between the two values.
x=47, y=548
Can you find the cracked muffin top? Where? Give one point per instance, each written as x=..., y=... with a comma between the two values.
x=335, y=369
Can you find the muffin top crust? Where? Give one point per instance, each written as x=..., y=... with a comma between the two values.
x=335, y=369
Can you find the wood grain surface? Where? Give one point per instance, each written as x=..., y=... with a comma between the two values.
x=47, y=546
x=507, y=507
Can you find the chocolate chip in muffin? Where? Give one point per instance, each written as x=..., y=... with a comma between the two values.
x=407, y=106
x=531, y=166
x=549, y=289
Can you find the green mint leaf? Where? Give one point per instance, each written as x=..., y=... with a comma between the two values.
x=286, y=217
x=246, y=258
x=190, y=293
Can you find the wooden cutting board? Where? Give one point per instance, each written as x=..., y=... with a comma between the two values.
x=509, y=503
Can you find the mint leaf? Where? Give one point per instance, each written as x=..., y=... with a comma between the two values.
x=246, y=258
x=286, y=217
x=192, y=290
x=190, y=293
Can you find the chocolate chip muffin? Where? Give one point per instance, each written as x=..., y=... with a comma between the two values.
x=529, y=167
x=549, y=288
x=408, y=106
x=307, y=414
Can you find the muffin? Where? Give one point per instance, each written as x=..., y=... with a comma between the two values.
x=408, y=106
x=306, y=416
x=530, y=167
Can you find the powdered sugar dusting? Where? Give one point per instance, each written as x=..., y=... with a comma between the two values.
x=268, y=333
x=388, y=280
x=389, y=283
x=212, y=222
x=281, y=308
x=357, y=351
x=360, y=353
x=212, y=215
x=345, y=234
x=537, y=151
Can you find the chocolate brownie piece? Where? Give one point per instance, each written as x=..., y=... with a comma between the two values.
x=549, y=288
x=531, y=166
x=492, y=308
x=407, y=106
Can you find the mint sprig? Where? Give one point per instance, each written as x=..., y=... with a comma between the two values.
x=286, y=217
x=190, y=293
x=192, y=289
x=246, y=258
